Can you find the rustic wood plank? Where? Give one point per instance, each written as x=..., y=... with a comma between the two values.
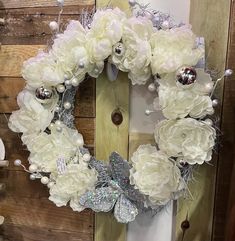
x=19, y=233
x=84, y=103
x=31, y=25
x=225, y=199
x=43, y=214
x=109, y=137
x=210, y=19
x=5, y=4
x=13, y=56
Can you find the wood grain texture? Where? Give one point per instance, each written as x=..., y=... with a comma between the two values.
x=109, y=138
x=209, y=19
x=31, y=25
x=6, y=4
x=13, y=56
x=224, y=212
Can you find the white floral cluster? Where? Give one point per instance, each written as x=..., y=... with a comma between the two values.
x=134, y=46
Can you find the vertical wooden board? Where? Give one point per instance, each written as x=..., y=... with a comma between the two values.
x=209, y=19
x=109, y=138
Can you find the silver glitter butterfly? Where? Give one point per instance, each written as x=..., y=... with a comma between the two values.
x=114, y=190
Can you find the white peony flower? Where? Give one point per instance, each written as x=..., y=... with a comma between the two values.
x=136, y=55
x=69, y=186
x=187, y=138
x=45, y=149
x=155, y=175
x=32, y=117
x=174, y=48
x=177, y=102
x=42, y=70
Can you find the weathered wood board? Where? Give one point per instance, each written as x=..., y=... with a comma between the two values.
x=209, y=19
x=29, y=215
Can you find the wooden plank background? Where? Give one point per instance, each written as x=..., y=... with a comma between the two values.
x=224, y=213
x=209, y=19
x=29, y=215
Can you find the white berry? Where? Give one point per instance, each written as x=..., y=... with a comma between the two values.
x=53, y=26
x=45, y=180
x=67, y=105
x=60, y=88
x=17, y=162
x=33, y=168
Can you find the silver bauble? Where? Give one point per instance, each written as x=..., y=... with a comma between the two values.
x=186, y=76
x=44, y=94
x=119, y=49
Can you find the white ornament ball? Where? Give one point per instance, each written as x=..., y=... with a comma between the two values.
x=228, y=72
x=57, y=109
x=17, y=162
x=86, y=157
x=45, y=180
x=33, y=168
x=132, y=3
x=58, y=123
x=209, y=122
x=75, y=81
x=53, y=26
x=152, y=87
x=32, y=177
x=60, y=88
x=67, y=105
x=165, y=25
x=67, y=82
x=51, y=126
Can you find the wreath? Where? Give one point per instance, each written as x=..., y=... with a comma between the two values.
x=152, y=49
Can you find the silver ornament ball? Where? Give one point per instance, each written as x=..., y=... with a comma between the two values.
x=186, y=76
x=119, y=49
x=215, y=102
x=43, y=94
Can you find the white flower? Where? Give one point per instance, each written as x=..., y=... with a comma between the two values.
x=69, y=186
x=136, y=55
x=106, y=30
x=155, y=175
x=174, y=48
x=42, y=70
x=32, y=117
x=45, y=149
x=177, y=103
x=187, y=138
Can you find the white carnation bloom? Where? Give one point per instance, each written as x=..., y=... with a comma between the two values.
x=42, y=70
x=69, y=186
x=136, y=55
x=153, y=174
x=174, y=48
x=32, y=117
x=45, y=149
x=187, y=138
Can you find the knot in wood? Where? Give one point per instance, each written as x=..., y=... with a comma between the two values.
x=117, y=117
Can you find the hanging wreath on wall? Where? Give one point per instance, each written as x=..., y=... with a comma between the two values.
x=149, y=47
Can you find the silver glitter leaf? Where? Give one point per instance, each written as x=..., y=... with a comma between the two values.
x=101, y=200
x=125, y=211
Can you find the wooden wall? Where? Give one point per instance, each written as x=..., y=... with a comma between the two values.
x=29, y=215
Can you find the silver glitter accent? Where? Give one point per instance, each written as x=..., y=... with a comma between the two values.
x=125, y=211
x=100, y=200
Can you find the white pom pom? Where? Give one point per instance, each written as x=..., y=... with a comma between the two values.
x=53, y=26
x=228, y=72
x=32, y=177
x=152, y=87
x=17, y=162
x=86, y=157
x=45, y=180
x=33, y=168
